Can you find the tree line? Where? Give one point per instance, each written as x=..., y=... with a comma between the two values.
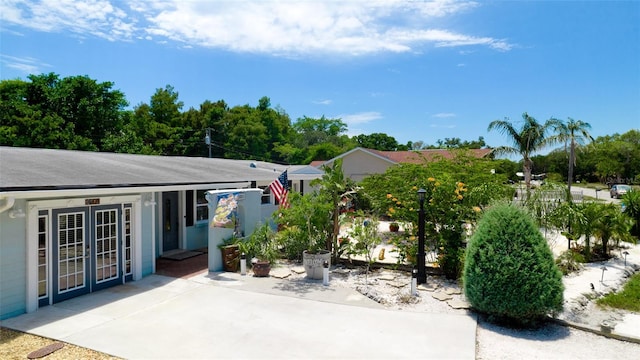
x=77, y=112
x=81, y=113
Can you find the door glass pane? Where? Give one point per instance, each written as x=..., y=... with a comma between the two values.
x=127, y=240
x=43, y=255
x=106, y=245
x=71, y=246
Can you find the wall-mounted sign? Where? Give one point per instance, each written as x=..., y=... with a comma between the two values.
x=92, y=201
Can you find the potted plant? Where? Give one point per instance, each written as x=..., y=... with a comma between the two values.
x=394, y=227
x=306, y=226
x=230, y=251
x=262, y=248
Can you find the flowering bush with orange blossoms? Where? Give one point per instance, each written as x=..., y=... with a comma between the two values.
x=455, y=195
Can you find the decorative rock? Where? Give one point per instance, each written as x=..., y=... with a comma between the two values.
x=452, y=291
x=298, y=269
x=397, y=284
x=341, y=271
x=387, y=277
x=42, y=352
x=428, y=287
x=441, y=296
x=458, y=304
x=280, y=273
x=370, y=293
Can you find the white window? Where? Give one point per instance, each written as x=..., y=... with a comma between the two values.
x=202, y=206
x=266, y=195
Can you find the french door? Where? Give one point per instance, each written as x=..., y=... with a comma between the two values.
x=86, y=248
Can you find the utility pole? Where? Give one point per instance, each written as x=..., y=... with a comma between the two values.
x=207, y=140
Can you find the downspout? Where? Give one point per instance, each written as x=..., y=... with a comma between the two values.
x=152, y=203
x=8, y=203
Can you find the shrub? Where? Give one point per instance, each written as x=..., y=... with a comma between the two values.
x=509, y=272
x=570, y=261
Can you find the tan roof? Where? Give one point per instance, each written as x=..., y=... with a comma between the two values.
x=418, y=156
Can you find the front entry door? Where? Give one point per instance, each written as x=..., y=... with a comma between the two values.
x=170, y=223
x=106, y=256
x=86, y=250
x=71, y=251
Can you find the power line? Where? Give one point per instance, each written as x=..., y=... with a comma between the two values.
x=253, y=156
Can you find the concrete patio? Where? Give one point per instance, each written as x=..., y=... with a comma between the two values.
x=229, y=316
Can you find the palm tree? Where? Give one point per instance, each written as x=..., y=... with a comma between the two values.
x=612, y=224
x=573, y=132
x=631, y=201
x=530, y=138
x=335, y=188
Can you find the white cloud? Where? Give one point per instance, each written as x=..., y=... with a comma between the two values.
x=441, y=126
x=90, y=17
x=322, y=102
x=27, y=65
x=443, y=115
x=360, y=118
x=280, y=28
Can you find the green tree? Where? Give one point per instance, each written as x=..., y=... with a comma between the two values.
x=456, y=143
x=611, y=224
x=457, y=189
x=305, y=224
x=617, y=157
x=573, y=132
x=335, y=189
x=531, y=137
x=509, y=271
x=69, y=113
x=377, y=141
x=631, y=200
x=126, y=140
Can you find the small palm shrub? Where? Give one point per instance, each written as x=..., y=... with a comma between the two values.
x=509, y=271
x=631, y=202
x=570, y=261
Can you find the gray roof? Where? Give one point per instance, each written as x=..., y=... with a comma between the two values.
x=30, y=169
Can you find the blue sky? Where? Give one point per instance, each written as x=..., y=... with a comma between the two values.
x=415, y=70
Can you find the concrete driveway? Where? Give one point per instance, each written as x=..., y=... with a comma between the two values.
x=228, y=316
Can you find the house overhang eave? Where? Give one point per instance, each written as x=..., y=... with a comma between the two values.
x=61, y=192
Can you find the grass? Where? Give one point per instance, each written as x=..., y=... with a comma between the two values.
x=627, y=299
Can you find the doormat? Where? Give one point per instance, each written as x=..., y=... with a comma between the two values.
x=180, y=255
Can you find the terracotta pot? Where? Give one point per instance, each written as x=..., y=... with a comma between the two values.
x=394, y=227
x=313, y=263
x=261, y=268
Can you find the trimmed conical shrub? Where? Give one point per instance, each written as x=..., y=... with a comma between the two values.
x=509, y=271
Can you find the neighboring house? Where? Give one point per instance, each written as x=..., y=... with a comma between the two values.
x=74, y=222
x=359, y=163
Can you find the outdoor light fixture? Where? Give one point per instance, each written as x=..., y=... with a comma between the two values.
x=625, y=253
x=325, y=273
x=604, y=268
x=17, y=213
x=422, y=271
x=243, y=264
x=414, y=282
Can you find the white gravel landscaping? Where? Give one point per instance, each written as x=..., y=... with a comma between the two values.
x=553, y=341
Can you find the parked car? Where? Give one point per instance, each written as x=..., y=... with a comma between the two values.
x=618, y=190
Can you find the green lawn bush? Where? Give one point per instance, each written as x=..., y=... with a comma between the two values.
x=509, y=271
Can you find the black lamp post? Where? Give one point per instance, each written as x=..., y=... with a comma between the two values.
x=422, y=270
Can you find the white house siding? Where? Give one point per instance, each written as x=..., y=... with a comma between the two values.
x=13, y=272
x=19, y=246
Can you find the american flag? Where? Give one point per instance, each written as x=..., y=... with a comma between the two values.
x=280, y=188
